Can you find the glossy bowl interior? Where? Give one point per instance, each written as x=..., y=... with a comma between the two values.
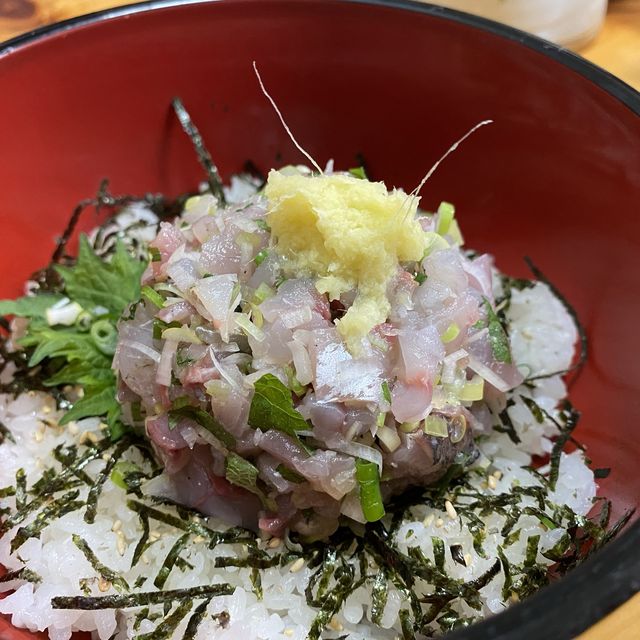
x=556, y=177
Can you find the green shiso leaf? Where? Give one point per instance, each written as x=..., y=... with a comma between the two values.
x=272, y=407
x=95, y=283
x=29, y=306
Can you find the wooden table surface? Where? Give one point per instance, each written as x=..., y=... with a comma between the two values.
x=617, y=49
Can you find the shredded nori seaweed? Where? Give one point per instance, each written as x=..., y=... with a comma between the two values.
x=213, y=177
x=55, y=509
x=169, y=624
x=98, y=483
x=119, y=583
x=170, y=560
x=94, y=603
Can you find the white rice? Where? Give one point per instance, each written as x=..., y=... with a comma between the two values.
x=542, y=335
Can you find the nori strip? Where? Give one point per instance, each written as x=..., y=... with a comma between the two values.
x=506, y=570
x=98, y=483
x=110, y=575
x=170, y=560
x=457, y=554
x=571, y=417
x=531, y=553
x=166, y=628
x=506, y=425
x=93, y=603
x=407, y=627
x=379, y=594
x=536, y=411
x=232, y=536
x=54, y=484
x=194, y=621
x=142, y=543
x=5, y=434
x=66, y=456
x=438, y=552
x=256, y=582
x=5, y=492
x=21, y=574
x=213, y=176
x=345, y=584
x=55, y=509
x=584, y=343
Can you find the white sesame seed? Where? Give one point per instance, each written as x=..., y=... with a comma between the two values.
x=289, y=632
x=116, y=526
x=497, y=475
x=84, y=436
x=491, y=481
x=145, y=558
x=428, y=521
x=73, y=428
x=297, y=565
x=199, y=539
x=38, y=436
x=106, y=456
x=450, y=509
x=103, y=426
x=439, y=522
x=92, y=436
x=121, y=543
x=46, y=409
x=468, y=559
x=274, y=543
x=335, y=624
x=104, y=585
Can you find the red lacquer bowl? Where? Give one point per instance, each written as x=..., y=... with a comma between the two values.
x=557, y=177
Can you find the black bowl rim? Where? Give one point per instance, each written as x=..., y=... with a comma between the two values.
x=612, y=576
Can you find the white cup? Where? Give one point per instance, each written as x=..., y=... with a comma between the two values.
x=567, y=22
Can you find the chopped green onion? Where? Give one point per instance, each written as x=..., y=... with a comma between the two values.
x=181, y=334
x=159, y=326
x=389, y=437
x=358, y=172
x=262, y=293
x=386, y=392
x=409, y=427
x=262, y=225
x=451, y=333
x=248, y=327
x=446, y=211
x=380, y=419
x=293, y=383
x=154, y=254
x=434, y=242
x=121, y=470
x=436, y=426
x=150, y=294
x=105, y=336
x=472, y=390
x=368, y=478
x=260, y=257
x=455, y=234
x=420, y=278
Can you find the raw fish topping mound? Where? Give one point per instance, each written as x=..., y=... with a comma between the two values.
x=306, y=354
